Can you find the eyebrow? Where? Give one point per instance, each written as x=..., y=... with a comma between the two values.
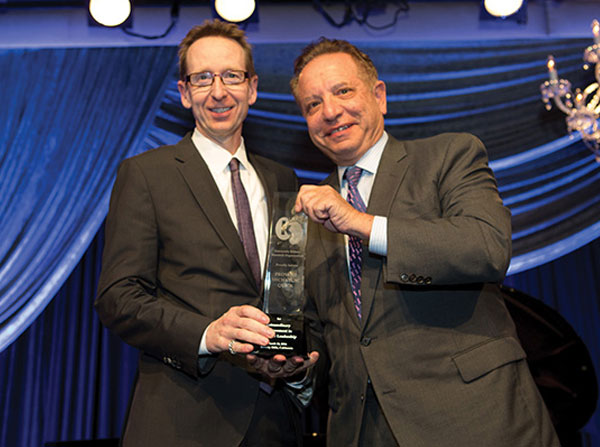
x=334, y=87
x=222, y=71
x=340, y=84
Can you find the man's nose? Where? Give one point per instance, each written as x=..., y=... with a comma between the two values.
x=331, y=109
x=218, y=89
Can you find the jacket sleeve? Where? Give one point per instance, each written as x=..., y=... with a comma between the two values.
x=129, y=300
x=455, y=230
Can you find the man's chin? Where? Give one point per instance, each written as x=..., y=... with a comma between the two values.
x=340, y=154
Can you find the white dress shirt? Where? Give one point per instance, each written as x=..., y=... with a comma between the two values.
x=217, y=159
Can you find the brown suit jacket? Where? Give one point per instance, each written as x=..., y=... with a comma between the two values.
x=173, y=262
x=435, y=339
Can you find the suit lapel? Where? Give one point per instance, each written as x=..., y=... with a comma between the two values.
x=200, y=181
x=270, y=186
x=268, y=180
x=390, y=173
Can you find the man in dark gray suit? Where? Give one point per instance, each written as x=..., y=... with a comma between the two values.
x=178, y=282
x=402, y=277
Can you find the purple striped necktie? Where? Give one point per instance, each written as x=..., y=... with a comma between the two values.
x=244, y=219
x=352, y=175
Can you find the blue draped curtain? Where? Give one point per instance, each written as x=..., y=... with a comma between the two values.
x=67, y=118
x=67, y=378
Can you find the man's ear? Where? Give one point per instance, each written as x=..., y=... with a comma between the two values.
x=380, y=96
x=184, y=94
x=253, y=86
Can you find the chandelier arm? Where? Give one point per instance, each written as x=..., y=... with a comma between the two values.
x=561, y=105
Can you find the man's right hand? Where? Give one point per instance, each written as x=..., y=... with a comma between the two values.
x=244, y=325
x=324, y=205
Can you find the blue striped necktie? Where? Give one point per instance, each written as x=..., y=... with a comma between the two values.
x=352, y=175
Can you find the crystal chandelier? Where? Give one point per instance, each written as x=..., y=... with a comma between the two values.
x=582, y=113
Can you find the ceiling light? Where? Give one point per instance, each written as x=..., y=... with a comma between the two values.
x=502, y=8
x=110, y=12
x=235, y=10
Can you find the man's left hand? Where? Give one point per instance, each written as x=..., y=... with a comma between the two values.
x=279, y=366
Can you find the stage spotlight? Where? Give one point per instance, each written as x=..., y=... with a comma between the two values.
x=502, y=8
x=110, y=12
x=235, y=10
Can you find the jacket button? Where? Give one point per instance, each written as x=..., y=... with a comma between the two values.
x=365, y=341
x=412, y=278
x=404, y=277
x=420, y=280
x=428, y=280
x=362, y=397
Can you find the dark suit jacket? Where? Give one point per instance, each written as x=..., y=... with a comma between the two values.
x=173, y=262
x=435, y=339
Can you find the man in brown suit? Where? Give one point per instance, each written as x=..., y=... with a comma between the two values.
x=177, y=281
x=402, y=284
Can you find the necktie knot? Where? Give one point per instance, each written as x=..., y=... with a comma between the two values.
x=352, y=175
x=234, y=165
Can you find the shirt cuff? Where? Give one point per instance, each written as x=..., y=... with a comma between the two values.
x=378, y=239
x=202, y=350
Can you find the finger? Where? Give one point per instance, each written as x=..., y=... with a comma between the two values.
x=329, y=225
x=299, y=204
x=313, y=357
x=243, y=323
x=292, y=367
x=308, y=194
x=275, y=367
x=314, y=212
x=255, y=361
x=245, y=332
x=242, y=348
x=254, y=313
x=249, y=338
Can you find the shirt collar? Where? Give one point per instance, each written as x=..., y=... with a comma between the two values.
x=370, y=160
x=215, y=156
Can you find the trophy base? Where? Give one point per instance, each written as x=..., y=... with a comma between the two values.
x=289, y=337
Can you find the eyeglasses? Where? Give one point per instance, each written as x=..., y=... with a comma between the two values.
x=206, y=78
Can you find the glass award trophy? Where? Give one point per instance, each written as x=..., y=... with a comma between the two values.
x=284, y=279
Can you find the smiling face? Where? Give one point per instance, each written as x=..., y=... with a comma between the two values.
x=343, y=110
x=218, y=110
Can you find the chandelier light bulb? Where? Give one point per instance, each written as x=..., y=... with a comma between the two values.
x=552, y=69
x=596, y=31
x=235, y=10
x=502, y=8
x=110, y=12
